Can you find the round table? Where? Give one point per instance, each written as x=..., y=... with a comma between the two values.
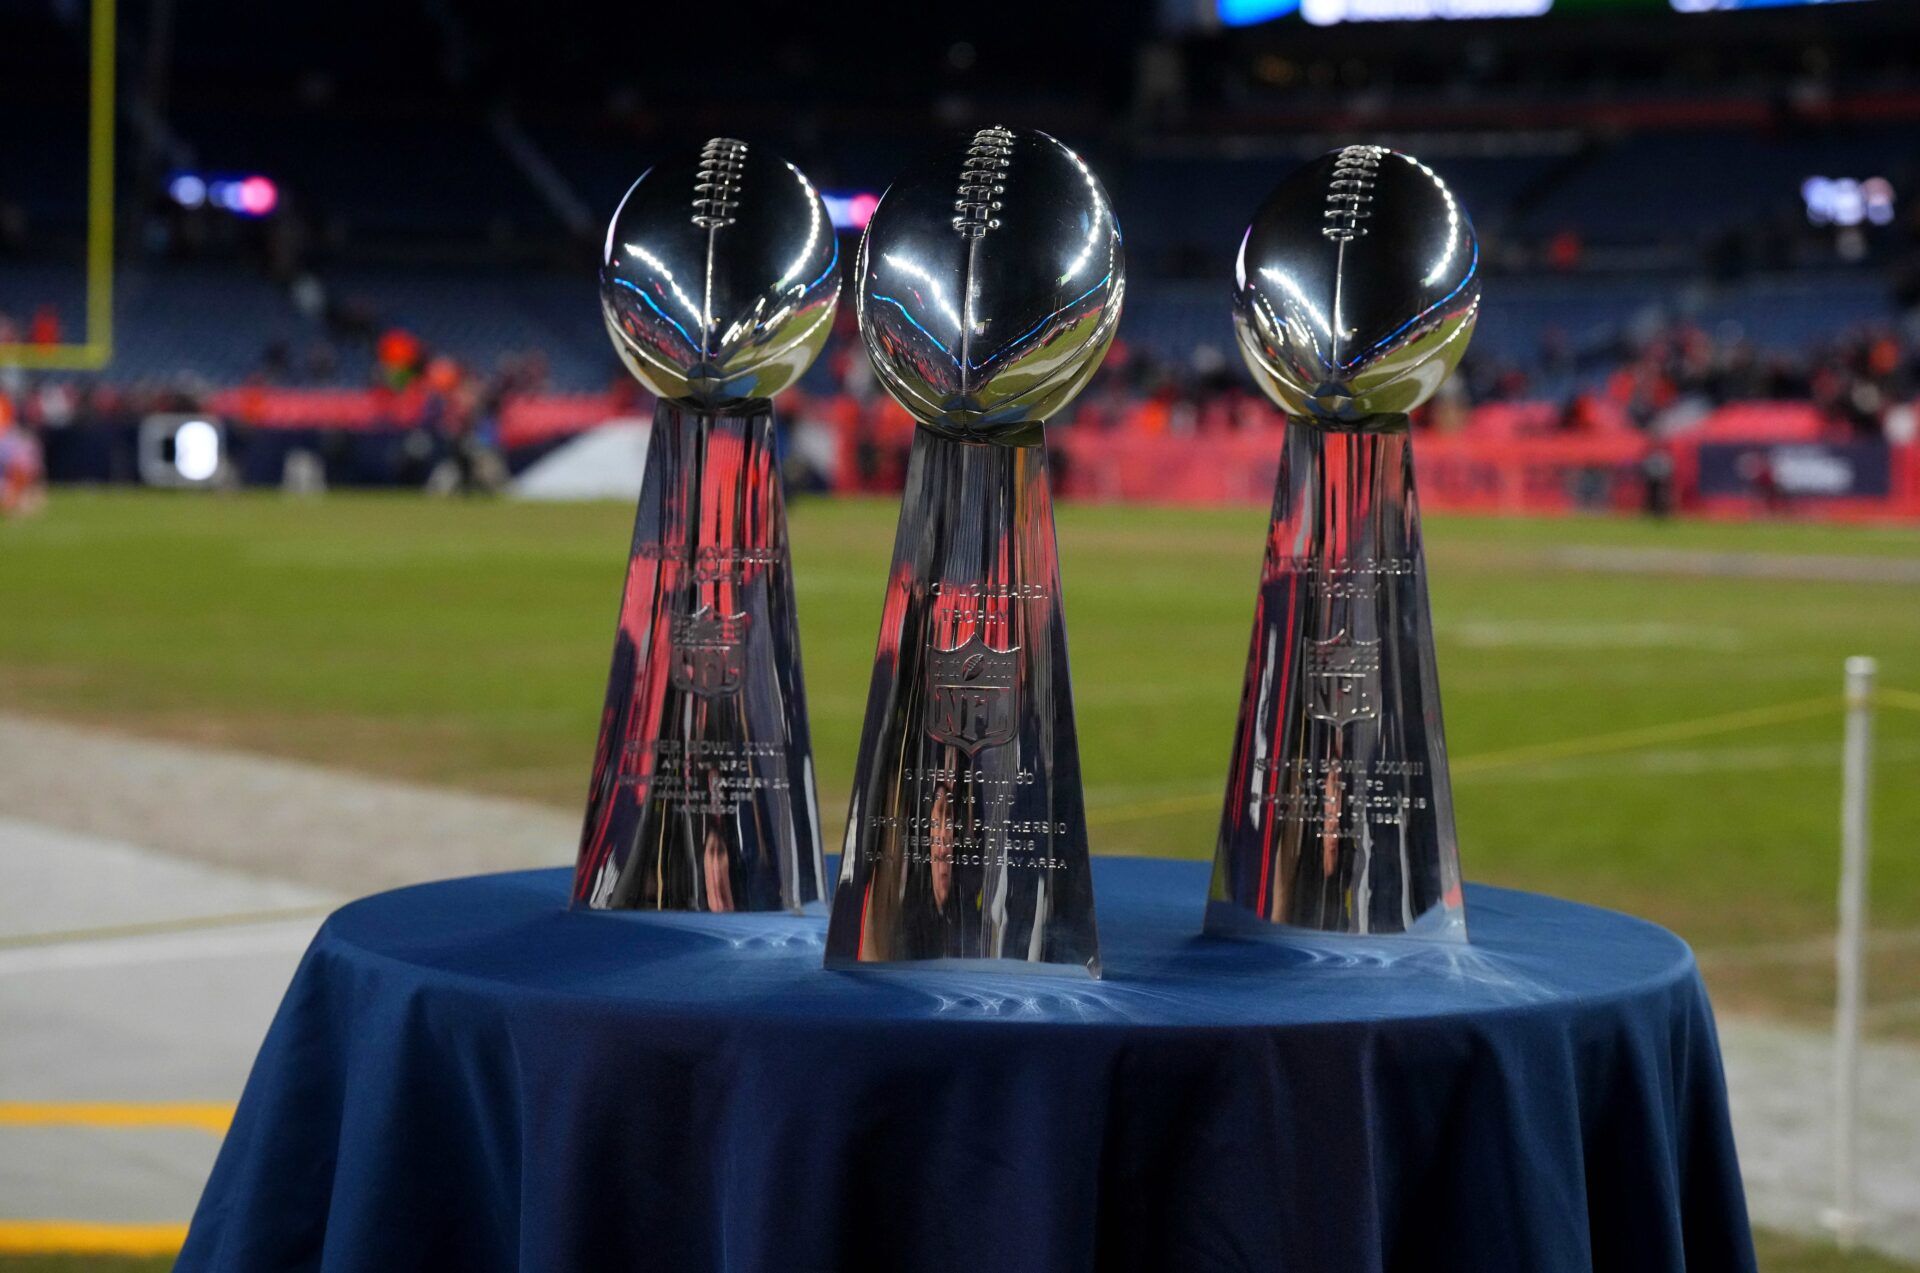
x=468, y=1076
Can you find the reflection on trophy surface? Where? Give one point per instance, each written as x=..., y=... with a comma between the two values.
x=989, y=287
x=718, y=284
x=1356, y=291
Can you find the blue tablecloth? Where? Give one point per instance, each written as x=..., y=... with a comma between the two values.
x=466, y=1076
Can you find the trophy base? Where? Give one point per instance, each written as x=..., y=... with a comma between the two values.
x=1441, y=923
x=702, y=796
x=1338, y=816
x=966, y=843
x=814, y=910
x=1010, y=967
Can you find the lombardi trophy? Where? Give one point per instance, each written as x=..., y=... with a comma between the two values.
x=1356, y=291
x=718, y=283
x=989, y=286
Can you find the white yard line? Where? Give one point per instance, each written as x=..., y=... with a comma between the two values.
x=1569, y=634
x=1803, y=950
x=1807, y=567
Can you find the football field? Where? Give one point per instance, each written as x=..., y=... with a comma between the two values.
x=1642, y=716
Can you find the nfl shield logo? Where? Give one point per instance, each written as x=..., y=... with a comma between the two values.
x=971, y=697
x=709, y=652
x=1343, y=679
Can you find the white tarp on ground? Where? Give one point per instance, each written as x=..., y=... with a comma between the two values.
x=602, y=463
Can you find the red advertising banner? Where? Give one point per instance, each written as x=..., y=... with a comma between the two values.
x=1457, y=472
x=1741, y=460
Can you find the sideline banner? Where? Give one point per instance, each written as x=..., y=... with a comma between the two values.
x=1744, y=459
x=1514, y=475
x=1796, y=470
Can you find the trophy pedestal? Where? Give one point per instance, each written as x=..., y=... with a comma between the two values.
x=646, y=1096
x=1339, y=813
x=703, y=788
x=1228, y=918
x=966, y=837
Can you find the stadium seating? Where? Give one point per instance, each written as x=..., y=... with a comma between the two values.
x=218, y=323
x=1647, y=188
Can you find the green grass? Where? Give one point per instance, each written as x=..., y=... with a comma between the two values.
x=466, y=644
x=1780, y=1253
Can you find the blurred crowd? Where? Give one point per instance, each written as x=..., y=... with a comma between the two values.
x=22, y=472
x=1664, y=376
x=1659, y=376
x=42, y=328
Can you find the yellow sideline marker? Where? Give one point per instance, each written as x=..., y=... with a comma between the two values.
x=1647, y=736
x=213, y=1119
x=1898, y=698
x=1564, y=749
x=83, y=1237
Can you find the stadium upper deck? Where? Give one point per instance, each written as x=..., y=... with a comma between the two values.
x=445, y=174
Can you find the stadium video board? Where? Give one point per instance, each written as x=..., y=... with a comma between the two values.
x=1333, y=12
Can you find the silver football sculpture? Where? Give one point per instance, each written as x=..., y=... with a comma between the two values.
x=1357, y=287
x=719, y=276
x=989, y=284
